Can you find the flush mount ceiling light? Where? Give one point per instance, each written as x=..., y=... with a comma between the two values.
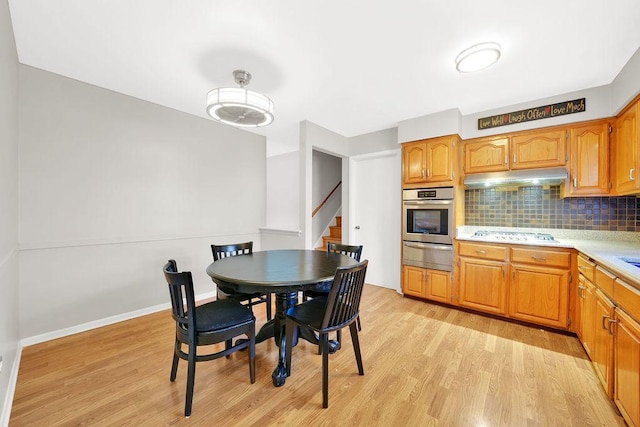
x=478, y=57
x=238, y=106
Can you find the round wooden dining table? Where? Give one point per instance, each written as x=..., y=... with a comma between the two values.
x=284, y=273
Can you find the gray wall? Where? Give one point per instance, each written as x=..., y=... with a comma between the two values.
x=8, y=208
x=111, y=187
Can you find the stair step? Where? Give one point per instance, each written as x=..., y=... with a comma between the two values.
x=339, y=221
x=335, y=231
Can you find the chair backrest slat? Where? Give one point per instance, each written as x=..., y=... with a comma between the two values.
x=354, y=251
x=223, y=251
x=181, y=290
x=343, y=302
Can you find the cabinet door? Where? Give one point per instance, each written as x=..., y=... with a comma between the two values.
x=602, y=355
x=589, y=160
x=483, y=285
x=539, y=295
x=587, y=307
x=440, y=159
x=439, y=286
x=486, y=155
x=414, y=162
x=627, y=368
x=413, y=281
x=626, y=151
x=538, y=149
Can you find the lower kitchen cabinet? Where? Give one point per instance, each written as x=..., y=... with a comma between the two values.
x=426, y=283
x=540, y=295
x=602, y=352
x=483, y=285
x=627, y=368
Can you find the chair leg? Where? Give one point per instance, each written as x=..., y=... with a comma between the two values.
x=268, y=306
x=288, y=327
x=191, y=375
x=356, y=347
x=174, y=365
x=359, y=325
x=324, y=340
x=252, y=353
x=227, y=345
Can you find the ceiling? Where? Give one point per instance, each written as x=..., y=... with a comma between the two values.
x=351, y=66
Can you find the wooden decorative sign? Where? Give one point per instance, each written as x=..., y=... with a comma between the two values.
x=536, y=113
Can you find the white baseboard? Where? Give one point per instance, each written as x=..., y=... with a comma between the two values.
x=25, y=342
x=11, y=389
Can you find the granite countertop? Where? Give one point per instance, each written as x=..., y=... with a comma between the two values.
x=605, y=247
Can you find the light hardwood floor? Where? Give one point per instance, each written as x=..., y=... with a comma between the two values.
x=424, y=364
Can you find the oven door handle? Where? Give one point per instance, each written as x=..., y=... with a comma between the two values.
x=428, y=202
x=428, y=246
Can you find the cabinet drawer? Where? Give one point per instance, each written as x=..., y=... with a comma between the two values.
x=484, y=251
x=627, y=297
x=586, y=268
x=541, y=257
x=604, y=280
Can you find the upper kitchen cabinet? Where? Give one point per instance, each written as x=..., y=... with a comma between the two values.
x=536, y=149
x=490, y=154
x=588, y=160
x=626, y=139
x=429, y=161
x=519, y=150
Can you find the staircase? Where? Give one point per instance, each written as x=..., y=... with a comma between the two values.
x=335, y=234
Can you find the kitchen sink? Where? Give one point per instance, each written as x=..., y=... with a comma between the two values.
x=633, y=261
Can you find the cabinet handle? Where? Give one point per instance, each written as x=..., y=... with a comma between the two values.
x=610, y=326
x=581, y=267
x=514, y=158
x=581, y=291
x=428, y=173
x=506, y=159
x=423, y=173
x=481, y=252
x=604, y=318
x=631, y=172
x=539, y=258
x=575, y=182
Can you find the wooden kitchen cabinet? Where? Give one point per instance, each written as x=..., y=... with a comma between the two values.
x=483, y=277
x=602, y=352
x=626, y=139
x=627, y=368
x=490, y=154
x=539, y=288
x=587, y=308
x=426, y=283
x=429, y=161
x=413, y=280
x=414, y=162
x=588, y=160
x=536, y=149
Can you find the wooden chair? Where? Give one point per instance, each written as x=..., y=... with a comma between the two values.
x=210, y=323
x=323, y=315
x=222, y=251
x=354, y=251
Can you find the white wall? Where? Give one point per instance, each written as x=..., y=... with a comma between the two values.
x=314, y=137
x=9, y=329
x=283, y=191
x=374, y=142
x=111, y=187
x=626, y=85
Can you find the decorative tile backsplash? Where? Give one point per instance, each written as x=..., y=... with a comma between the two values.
x=542, y=207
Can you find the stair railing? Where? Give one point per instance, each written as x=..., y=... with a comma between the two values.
x=315, y=211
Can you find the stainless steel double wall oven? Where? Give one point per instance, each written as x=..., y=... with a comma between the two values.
x=427, y=227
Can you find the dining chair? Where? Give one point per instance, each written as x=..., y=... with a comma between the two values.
x=354, y=251
x=222, y=251
x=210, y=323
x=337, y=310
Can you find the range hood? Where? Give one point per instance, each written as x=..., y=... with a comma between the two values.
x=527, y=177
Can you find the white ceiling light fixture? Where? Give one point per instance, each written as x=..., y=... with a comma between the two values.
x=478, y=57
x=238, y=106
